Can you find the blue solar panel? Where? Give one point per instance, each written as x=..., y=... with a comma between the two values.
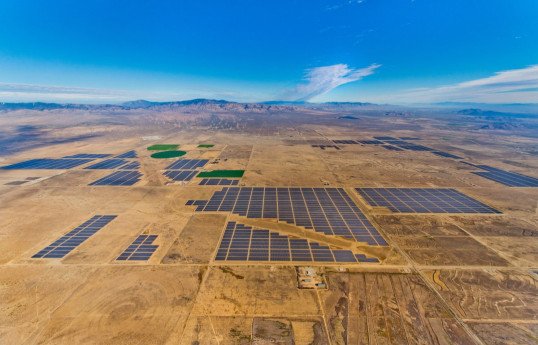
x=131, y=166
x=410, y=138
x=108, y=164
x=180, y=175
x=119, y=178
x=509, y=179
x=370, y=142
x=327, y=210
x=71, y=240
x=243, y=243
x=129, y=154
x=187, y=164
x=218, y=182
x=140, y=250
x=392, y=148
x=423, y=200
x=385, y=138
x=47, y=163
x=89, y=155
x=444, y=154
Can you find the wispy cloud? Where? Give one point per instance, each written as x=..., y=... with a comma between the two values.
x=12, y=92
x=321, y=80
x=512, y=86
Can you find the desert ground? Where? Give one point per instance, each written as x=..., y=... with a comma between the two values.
x=442, y=278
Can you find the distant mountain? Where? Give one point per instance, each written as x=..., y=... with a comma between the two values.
x=207, y=105
x=491, y=113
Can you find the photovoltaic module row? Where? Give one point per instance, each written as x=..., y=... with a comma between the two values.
x=218, y=182
x=131, y=166
x=345, y=142
x=392, y=148
x=243, y=243
x=129, y=154
x=71, y=240
x=140, y=250
x=423, y=200
x=385, y=138
x=506, y=178
x=327, y=210
x=111, y=163
x=119, y=178
x=89, y=155
x=180, y=175
x=370, y=142
x=444, y=154
x=48, y=163
x=187, y=164
x=410, y=138
x=323, y=147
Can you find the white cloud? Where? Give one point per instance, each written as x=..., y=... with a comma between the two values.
x=512, y=86
x=321, y=80
x=12, y=92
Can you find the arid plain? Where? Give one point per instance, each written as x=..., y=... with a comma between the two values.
x=441, y=278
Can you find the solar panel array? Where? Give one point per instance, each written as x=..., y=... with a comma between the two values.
x=89, y=155
x=392, y=148
x=140, y=250
x=48, y=163
x=131, y=166
x=119, y=178
x=111, y=163
x=243, y=243
x=180, y=175
x=410, y=138
x=346, y=142
x=385, y=138
x=370, y=142
x=506, y=178
x=218, y=182
x=423, y=200
x=129, y=154
x=327, y=210
x=444, y=154
x=187, y=164
x=323, y=147
x=74, y=238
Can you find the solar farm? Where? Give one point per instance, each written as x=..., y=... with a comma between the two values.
x=374, y=230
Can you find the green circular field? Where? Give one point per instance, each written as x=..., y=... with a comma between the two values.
x=168, y=154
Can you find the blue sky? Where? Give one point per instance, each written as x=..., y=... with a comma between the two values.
x=389, y=51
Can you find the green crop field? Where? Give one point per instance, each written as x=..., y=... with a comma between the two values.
x=162, y=147
x=168, y=154
x=205, y=145
x=222, y=173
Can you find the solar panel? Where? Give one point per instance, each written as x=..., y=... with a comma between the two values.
x=327, y=210
x=444, y=154
x=423, y=200
x=140, y=250
x=89, y=155
x=218, y=182
x=187, y=164
x=410, y=138
x=345, y=142
x=129, y=154
x=180, y=175
x=507, y=178
x=48, y=163
x=244, y=243
x=65, y=244
x=131, y=166
x=119, y=178
x=370, y=142
x=108, y=164
x=392, y=148
x=323, y=147
x=385, y=138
